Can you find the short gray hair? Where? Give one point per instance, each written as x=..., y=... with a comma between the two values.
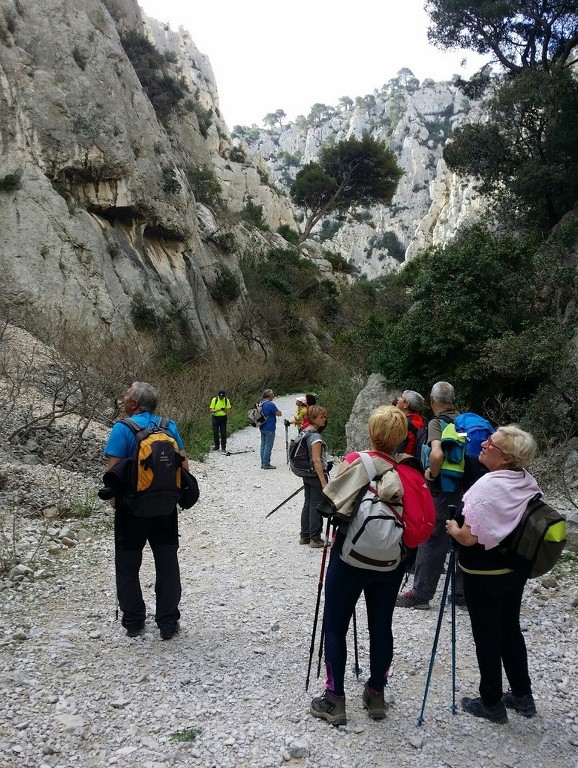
x=414, y=400
x=145, y=395
x=443, y=393
x=266, y=394
x=518, y=444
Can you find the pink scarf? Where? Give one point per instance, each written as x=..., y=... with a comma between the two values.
x=494, y=505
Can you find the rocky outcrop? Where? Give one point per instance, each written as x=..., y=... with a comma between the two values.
x=430, y=204
x=104, y=181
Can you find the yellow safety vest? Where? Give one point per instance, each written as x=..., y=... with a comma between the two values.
x=218, y=406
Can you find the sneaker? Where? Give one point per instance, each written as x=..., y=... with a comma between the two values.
x=373, y=702
x=167, y=633
x=524, y=705
x=410, y=599
x=477, y=708
x=134, y=630
x=269, y=466
x=316, y=543
x=303, y=539
x=329, y=707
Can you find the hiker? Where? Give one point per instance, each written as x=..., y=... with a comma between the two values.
x=343, y=586
x=431, y=555
x=311, y=521
x=131, y=533
x=220, y=407
x=310, y=399
x=300, y=413
x=270, y=412
x=493, y=506
x=412, y=403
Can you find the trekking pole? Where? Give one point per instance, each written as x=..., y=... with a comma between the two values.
x=287, y=439
x=355, y=646
x=450, y=578
x=319, y=588
x=284, y=502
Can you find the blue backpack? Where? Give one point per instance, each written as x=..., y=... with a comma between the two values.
x=477, y=430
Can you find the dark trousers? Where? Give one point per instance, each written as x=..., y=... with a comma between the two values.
x=131, y=536
x=311, y=522
x=431, y=555
x=219, y=431
x=343, y=586
x=493, y=603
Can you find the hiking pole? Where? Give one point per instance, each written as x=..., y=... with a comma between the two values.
x=317, y=604
x=287, y=439
x=285, y=502
x=236, y=453
x=355, y=647
x=450, y=578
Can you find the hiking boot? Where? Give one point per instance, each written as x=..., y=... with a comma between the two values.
x=525, y=705
x=329, y=707
x=269, y=466
x=410, y=599
x=303, y=539
x=477, y=708
x=460, y=601
x=316, y=543
x=373, y=702
x=134, y=630
x=167, y=633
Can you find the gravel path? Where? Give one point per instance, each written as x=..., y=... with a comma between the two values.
x=75, y=691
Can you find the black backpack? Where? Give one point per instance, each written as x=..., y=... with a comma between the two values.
x=536, y=543
x=156, y=473
x=300, y=462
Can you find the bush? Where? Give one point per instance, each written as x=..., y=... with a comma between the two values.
x=227, y=287
x=291, y=235
x=253, y=214
x=10, y=182
x=205, y=185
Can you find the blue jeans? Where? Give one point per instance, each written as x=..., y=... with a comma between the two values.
x=267, y=440
x=343, y=587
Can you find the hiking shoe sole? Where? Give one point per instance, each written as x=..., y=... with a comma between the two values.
x=477, y=708
x=525, y=706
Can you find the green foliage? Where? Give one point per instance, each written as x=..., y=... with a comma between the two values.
x=204, y=117
x=339, y=264
x=188, y=734
x=253, y=214
x=224, y=240
x=522, y=34
x=152, y=69
x=237, y=155
x=205, y=185
x=526, y=155
x=288, y=234
x=350, y=173
x=10, y=182
x=143, y=316
x=391, y=241
x=227, y=287
x=171, y=184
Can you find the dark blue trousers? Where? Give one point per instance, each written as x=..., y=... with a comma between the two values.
x=343, y=586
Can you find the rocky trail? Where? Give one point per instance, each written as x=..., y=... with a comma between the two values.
x=229, y=690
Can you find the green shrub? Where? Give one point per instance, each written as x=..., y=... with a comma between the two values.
x=237, y=155
x=339, y=264
x=289, y=234
x=205, y=185
x=253, y=214
x=227, y=287
x=10, y=182
x=171, y=184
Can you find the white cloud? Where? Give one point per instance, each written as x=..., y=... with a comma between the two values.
x=269, y=55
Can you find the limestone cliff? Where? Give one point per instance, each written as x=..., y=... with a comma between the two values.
x=416, y=120
x=116, y=181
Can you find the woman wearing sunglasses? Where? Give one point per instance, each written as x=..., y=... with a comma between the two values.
x=492, y=508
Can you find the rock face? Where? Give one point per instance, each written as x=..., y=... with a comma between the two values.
x=374, y=393
x=416, y=121
x=102, y=180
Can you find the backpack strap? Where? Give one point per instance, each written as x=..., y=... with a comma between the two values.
x=163, y=423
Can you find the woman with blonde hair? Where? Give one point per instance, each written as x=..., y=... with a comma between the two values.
x=344, y=585
x=493, y=507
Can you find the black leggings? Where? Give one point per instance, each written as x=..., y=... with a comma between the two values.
x=494, y=606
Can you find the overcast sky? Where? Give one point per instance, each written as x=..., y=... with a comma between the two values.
x=269, y=55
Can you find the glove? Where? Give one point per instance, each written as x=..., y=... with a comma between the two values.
x=287, y=423
x=329, y=466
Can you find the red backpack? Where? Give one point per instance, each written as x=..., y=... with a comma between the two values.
x=418, y=507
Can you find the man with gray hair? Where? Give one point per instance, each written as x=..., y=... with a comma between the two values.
x=431, y=555
x=131, y=533
x=411, y=403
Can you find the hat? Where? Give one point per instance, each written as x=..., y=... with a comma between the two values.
x=301, y=399
x=221, y=393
